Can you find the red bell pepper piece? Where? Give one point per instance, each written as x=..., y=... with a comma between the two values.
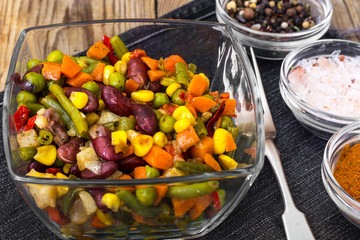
x=211, y=122
x=182, y=96
x=53, y=171
x=138, y=53
x=30, y=124
x=216, y=200
x=112, y=58
x=21, y=116
x=56, y=216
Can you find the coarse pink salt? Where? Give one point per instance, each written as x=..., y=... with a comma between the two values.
x=330, y=84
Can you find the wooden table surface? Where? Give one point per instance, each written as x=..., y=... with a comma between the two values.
x=16, y=15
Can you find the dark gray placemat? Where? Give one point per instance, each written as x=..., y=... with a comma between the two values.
x=258, y=216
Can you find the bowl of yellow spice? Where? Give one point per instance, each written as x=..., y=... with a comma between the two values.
x=340, y=171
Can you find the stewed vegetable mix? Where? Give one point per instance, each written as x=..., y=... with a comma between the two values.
x=115, y=114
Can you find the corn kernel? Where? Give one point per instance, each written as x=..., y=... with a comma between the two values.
x=118, y=137
x=121, y=67
x=160, y=139
x=227, y=162
x=102, y=105
x=46, y=155
x=182, y=124
x=191, y=74
x=66, y=168
x=143, y=95
x=220, y=140
x=61, y=190
x=105, y=218
x=184, y=112
x=92, y=118
x=108, y=70
x=206, y=78
x=126, y=57
x=172, y=88
x=141, y=143
x=79, y=99
x=111, y=201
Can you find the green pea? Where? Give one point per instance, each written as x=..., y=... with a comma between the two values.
x=176, y=97
x=221, y=192
x=117, y=80
x=27, y=153
x=158, y=114
x=166, y=124
x=59, y=82
x=55, y=56
x=25, y=97
x=32, y=63
x=146, y=196
x=126, y=124
x=92, y=87
x=37, y=80
x=152, y=172
x=160, y=99
x=226, y=122
x=58, y=163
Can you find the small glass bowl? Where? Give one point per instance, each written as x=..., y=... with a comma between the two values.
x=348, y=206
x=226, y=65
x=320, y=123
x=276, y=46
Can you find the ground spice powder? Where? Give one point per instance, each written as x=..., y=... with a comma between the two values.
x=347, y=170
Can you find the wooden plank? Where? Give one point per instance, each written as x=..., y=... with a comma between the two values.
x=17, y=15
x=353, y=6
x=165, y=6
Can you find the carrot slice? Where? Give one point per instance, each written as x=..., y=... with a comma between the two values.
x=98, y=72
x=230, y=105
x=69, y=67
x=201, y=204
x=209, y=160
x=182, y=206
x=206, y=145
x=153, y=64
x=51, y=71
x=191, y=109
x=187, y=138
x=169, y=62
x=230, y=143
x=225, y=95
x=131, y=86
x=160, y=193
x=159, y=158
x=96, y=222
x=79, y=79
x=98, y=50
x=140, y=172
x=197, y=85
x=203, y=104
x=155, y=75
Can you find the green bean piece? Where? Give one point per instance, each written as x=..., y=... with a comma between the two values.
x=192, y=67
x=89, y=69
x=166, y=124
x=221, y=192
x=146, y=196
x=176, y=96
x=58, y=163
x=25, y=97
x=234, y=131
x=118, y=45
x=92, y=87
x=209, y=96
x=200, y=128
x=90, y=60
x=166, y=81
x=123, y=216
x=34, y=107
x=152, y=172
x=27, y=153
x=59, y=82
x=160, y=99
x=182, y=75
x=192, y=168
x=69, y=198
x=32, y=63
x=117, y=80
x=45, y=137
x=214, y=109
x=55, y=56
x=80, y=122
x=158, y=114
x=126, y=124
x=132, y=202
x=37, y=80
x=49, y=102
x=192, y=190
x=226, y=123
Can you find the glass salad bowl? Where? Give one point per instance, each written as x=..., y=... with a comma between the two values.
x=211, y=47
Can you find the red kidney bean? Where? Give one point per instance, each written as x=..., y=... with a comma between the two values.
x=74, y=170
x=146, y=118
x=128, y=164
x=116, y=101
x=97, y=194
x=93, y=103
x=67, y=152
x=107, y=168
x=137, y=70
x=39, y=167
x=155, y=87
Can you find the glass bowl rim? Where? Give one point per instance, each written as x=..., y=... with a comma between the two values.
x=260, y=146
x=285, y=67
x=236, y=25
x=328, y=176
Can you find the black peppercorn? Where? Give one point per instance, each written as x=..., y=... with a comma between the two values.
x=249, y=14
x=290, y=12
